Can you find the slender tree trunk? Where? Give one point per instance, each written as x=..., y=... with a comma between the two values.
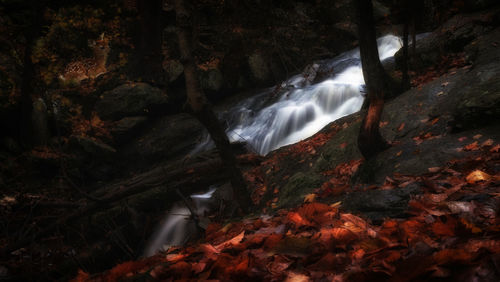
x=28, y=76
x=147, y=61
x=201, y=107
x=405, y=80
x=370, y=141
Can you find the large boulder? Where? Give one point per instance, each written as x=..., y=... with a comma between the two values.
x=379, y=204
x=127, y=127
x=131, y=100
x=168, y=137
x=452, y=36
x=479, y=102
x=259, y=67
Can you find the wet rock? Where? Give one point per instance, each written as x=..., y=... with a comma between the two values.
x=475, y=5
x=212, y=79
x=127, y=127
x=380, y=204
x=259, y=67
x=480, y=106
x=173, y=70
x=131, y=100
x=92, y=147
x=168, y=137
x=452, y=36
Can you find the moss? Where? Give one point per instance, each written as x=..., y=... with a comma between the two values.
x=299, y=185
x=341, y=148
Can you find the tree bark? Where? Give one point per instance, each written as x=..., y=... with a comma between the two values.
x=31, y=34
x=370, y=141
x=202, y=109
x=148, y=59
x=405, y=80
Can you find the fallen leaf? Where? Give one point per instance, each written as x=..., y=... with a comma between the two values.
x=488, y=142
x=434, y=121
x=399, y=153
x=471, y=147
x=401, y=126
x=231, y=242
x=495, y=149
x=462, y=139
x=473, y=228
x=336, y=205
x=434, y=169
x=309, y=198
x=477, y=136
x=297, y=277
x=444, y=84
x=477, y=176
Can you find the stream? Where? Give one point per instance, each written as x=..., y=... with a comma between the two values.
x=277, y=117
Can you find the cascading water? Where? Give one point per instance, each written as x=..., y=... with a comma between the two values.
x=274, y=119
x=271, y=120
x=178, y=225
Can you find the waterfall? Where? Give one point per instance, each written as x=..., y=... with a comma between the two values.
x=177, y=225
x=265, y=122
x=272, y=119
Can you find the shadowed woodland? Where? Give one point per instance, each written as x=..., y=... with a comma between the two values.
x=270, y=140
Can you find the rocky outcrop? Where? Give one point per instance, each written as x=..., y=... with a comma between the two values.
x=452, y=36
x=166, y=138
x=131, y=100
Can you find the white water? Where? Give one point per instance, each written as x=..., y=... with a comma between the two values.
x=177, y=226
x=266, y=123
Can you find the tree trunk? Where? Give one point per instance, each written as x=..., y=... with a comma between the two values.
x=31, y=33
x=405, y=80
x=202, y=109
x=148, y=59
x=370, y=142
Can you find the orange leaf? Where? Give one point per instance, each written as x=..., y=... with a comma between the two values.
x=434, y=169
x=495, y=149
x=297, y=219
x=488, y=142
x=309, y=198
x=434, y=121
x=472, y=147
x=231, y=242
x=477, y=176
x=401, y=126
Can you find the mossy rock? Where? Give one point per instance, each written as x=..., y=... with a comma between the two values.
x=342, y=148
x=299, y=185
